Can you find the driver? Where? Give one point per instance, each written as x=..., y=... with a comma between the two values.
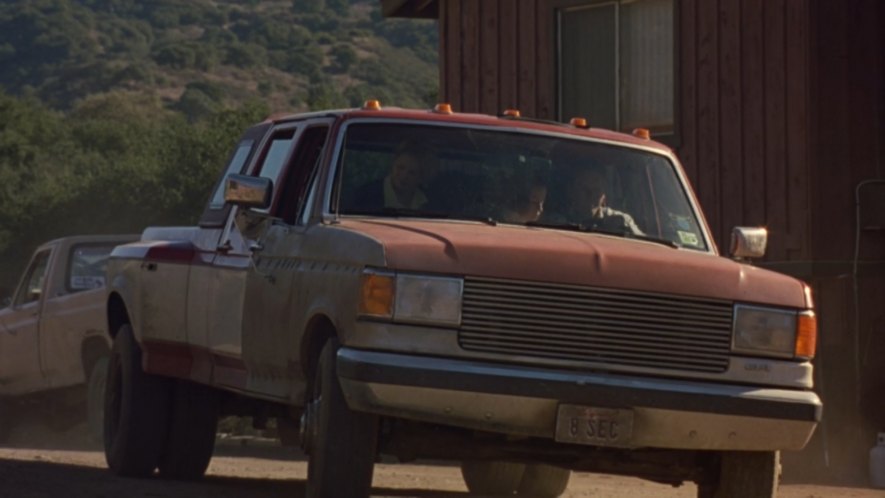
x=401, y=188
x=587, y=203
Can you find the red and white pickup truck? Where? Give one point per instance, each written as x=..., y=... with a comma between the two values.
x=527, y=298
x=54, y=342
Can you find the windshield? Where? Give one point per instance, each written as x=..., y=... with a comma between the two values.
x=425, y=171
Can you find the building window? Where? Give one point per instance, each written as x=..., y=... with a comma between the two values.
x=616, y=64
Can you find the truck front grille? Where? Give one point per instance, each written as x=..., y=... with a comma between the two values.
x=576, y=323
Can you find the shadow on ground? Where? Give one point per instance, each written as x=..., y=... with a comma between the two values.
x=38, y=478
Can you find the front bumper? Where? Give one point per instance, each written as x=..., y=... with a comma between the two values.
x=523, y=401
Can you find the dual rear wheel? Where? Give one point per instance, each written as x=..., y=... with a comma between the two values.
x=152, y=422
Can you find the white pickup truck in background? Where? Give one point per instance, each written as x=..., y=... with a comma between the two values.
x=53, y=334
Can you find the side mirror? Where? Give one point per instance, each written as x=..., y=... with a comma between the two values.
x=748, y=242
x=253, y=225
x=248, y=191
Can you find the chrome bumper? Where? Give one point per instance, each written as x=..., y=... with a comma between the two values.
x=523, y=401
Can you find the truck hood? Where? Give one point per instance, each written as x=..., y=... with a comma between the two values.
x=567, y=257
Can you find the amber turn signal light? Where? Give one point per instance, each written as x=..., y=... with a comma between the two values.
x=376, y=295
x=372, y=105
x=806, y=335
x=443, y=108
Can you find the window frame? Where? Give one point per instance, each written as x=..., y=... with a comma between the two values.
x=328, y=208
x=216, y=217
x=18, y=299
x=68, y=271
x=303, y=202
x=672, y=139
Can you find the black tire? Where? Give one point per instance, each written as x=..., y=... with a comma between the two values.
x=543, y=481
x=7, y=420
x=744, y=474
x=136, y=414
x=343, y=442
x=287, y=432
x=192, y=427
x=95, y=387
x=493, y=478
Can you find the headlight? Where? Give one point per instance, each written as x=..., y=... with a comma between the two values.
x=773, y=332
x=410, y=298
x=421, y=299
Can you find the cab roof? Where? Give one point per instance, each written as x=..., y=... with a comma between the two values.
x=503, y=121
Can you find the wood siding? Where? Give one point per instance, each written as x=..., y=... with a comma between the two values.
x=743, y=98
x=780, y=110
x=779, y=105
x=848, y=124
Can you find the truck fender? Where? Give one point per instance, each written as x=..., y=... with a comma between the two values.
x=318, y=329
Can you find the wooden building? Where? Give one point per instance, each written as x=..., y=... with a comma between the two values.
x=777, y=111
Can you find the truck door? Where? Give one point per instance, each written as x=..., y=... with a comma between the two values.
x=233, y=262
x=19, y=328
x=205, y=279
x=73, y=310
x=271, y=319
x=274, y=311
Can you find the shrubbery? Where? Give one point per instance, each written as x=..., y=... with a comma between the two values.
x=114, y=164
x=108, y=119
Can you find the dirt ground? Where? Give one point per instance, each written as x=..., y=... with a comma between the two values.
x=34, y=464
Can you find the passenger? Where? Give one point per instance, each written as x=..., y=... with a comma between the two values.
x=588, y=205
x=401, y=188
x=528, y=205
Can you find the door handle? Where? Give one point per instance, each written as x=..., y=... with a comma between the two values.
x=149, y=266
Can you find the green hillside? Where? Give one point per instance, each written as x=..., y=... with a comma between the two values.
x=197, y=55
x=118, y=114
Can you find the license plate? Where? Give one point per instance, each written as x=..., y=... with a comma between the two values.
x=597, y=426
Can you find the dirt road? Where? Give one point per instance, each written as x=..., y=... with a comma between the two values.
x=72, y=467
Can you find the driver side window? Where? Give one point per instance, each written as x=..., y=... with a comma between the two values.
x=32, y=286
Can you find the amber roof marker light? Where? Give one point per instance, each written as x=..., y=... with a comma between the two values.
x=511, y=113
x=372, y=105
x=443, y=108
x=642, y=133
x=579, y=123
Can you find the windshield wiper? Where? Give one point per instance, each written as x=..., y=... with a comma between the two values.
x=632, y=235
x=423, y=213
x=580, y=227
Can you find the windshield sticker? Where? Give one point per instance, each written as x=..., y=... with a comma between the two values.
x=682, y=222
x=688, y=238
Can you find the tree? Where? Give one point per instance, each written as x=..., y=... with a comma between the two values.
x=344, y=56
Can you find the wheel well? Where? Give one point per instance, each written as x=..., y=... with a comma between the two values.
x=319, y=330
x=92, y=349
x=117, y=314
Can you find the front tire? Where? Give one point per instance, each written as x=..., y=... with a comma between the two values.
x=7, y=420
x=342, y=443
x=136, y=411
x=748, y=474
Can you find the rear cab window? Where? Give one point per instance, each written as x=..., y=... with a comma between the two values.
x=86, y=266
